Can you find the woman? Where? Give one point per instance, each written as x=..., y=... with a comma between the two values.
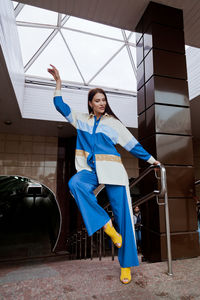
x=98, y=162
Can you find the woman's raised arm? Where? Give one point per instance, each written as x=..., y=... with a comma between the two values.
x=60, y=105
x=55, y=73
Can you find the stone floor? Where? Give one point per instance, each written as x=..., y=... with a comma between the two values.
x=62, y=279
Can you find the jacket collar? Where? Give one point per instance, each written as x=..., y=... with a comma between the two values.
x=91, y=115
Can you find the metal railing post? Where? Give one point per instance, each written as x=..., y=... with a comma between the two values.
x=91, y=247
x=85, y=236
x=162, y=193
x=169, y=254
x=113, y=251
x=104, y=250
x=166, y=206
x=100, y=246
x=76, y=245
x=80, y=243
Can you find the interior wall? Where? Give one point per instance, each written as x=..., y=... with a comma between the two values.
x=34, y=157
x=196, y=147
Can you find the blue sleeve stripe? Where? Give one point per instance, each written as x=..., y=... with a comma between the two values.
x=139, y=152
x=84, y=126
x=108, y=131
x=62, y=107
x=69, y=118
x=131, y=144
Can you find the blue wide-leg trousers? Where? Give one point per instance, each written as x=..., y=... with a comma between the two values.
x=95, y=217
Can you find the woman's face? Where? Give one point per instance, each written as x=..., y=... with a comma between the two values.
x=136, y=209
x=98, y=104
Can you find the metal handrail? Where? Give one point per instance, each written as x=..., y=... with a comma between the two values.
x=157, y=193
x=162, y=177
x=161, y=193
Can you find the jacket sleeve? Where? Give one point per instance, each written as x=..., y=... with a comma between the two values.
x=64, y=108
x=129, y=142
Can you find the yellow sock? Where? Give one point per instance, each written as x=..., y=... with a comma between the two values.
x=115, y=236
x=125, y=275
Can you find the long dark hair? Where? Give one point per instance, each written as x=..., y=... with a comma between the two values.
x=108, y=109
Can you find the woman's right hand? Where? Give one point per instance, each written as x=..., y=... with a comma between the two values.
x=54, y=72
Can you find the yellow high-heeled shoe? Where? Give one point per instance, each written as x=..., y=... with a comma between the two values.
x=125, y=275
x=115, y=236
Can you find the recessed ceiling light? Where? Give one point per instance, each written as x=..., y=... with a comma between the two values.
x=8, y=122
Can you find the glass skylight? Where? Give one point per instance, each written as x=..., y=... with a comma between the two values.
x=133, y=52
x=132, y=38
x=15, y=4
x=85, y=52
x=93, y=27
x=57, y=54
x=90, y=52
x=30, y=45
x=121, y=72
x=37, y=15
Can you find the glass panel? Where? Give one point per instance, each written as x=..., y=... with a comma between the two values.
x=14, y=4
x=128, y=33
x=133, y=52
x=117, y=74
x=90, y=52
x=132, y=38
x=56, y=53
x=30, y=45
x=37, y=15
x=61, y=17
x=93, y=27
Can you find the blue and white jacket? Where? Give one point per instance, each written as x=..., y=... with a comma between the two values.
x=98, y=140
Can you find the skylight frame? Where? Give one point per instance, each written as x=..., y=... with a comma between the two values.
x=61, y=24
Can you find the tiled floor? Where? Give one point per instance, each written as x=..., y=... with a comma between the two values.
x=63, y=279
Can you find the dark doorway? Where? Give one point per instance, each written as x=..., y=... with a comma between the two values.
x=30, y=219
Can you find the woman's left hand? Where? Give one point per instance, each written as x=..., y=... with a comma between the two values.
x=156, y=163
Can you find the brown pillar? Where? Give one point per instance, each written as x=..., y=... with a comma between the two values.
x=165, y=130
